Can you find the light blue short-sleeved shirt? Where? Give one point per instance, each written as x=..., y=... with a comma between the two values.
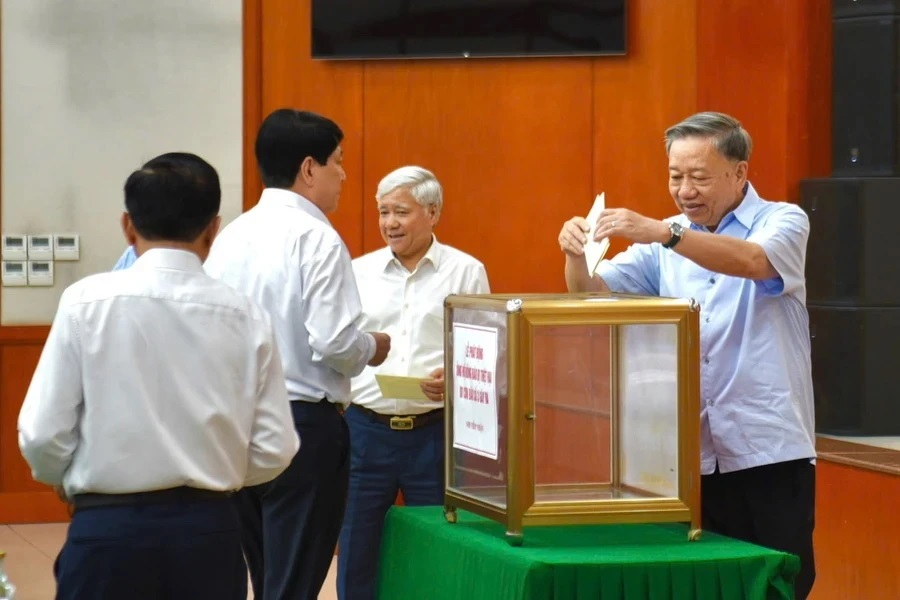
x=126, y=260
x=756, y=380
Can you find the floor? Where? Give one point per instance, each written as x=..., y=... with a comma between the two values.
x=31, y=550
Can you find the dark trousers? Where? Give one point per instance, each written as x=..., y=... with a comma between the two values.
x=383, y=462
x=169, y=551
x=291, y=524
x=772, y=505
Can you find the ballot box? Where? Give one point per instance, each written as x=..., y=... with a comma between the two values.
x=572, y=409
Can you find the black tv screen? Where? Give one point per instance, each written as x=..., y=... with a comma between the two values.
x=364, y=29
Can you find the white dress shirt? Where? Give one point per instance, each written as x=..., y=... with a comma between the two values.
x=285, y=254
x=410, y=308
x=156, y=377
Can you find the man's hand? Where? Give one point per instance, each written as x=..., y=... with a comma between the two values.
x=621, y=222
x=573, y=236
x=382, y=347
x=434, y=386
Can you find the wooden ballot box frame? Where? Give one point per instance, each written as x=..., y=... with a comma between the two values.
x=514, y=498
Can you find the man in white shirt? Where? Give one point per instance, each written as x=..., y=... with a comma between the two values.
x=398, y=444
x=158, y=393
x=285, y=254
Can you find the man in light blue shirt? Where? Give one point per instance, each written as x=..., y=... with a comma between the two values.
x=743, y=259
x=126, y=260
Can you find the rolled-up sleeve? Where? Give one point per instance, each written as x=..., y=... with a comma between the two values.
x=783, y=238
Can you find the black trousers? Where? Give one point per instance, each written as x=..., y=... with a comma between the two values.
x=170, y=551
x=290, y=526
x=772, y=506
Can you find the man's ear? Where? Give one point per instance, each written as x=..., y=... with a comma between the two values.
x=740, y=171
x=128, y=229
x=211, y=231
x=307, y=168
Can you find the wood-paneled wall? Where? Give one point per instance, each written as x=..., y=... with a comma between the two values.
x=521, y=145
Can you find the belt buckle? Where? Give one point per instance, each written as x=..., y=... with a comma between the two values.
x=402, y=423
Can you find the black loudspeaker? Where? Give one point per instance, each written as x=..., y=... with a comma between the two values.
x=841, y=9
x=865, y=128
x=853, y=254
x=854, y=368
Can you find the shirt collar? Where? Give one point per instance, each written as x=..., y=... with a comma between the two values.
x=169, y=258
x=744, y=213
x=282, y=197
x=433, y=255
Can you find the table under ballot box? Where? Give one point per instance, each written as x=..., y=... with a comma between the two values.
x=572, y=409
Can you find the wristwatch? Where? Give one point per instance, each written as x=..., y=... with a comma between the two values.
x=677, y=232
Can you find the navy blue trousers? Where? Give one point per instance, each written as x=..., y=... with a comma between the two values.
x=169, y=551
x=290, y=525
x=383, y=462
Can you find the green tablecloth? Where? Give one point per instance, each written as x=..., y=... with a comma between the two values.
x=425, y=558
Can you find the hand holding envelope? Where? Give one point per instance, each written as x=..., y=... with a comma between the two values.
x=412, y=388
x=595, y=251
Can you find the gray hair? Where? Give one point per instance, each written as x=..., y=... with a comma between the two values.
x=420, y=183
x=730, y=139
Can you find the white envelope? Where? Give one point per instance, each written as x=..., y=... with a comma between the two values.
x=595, y=251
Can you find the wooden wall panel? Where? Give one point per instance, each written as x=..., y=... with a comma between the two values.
x=768, y=63
x=22, y=500
x=290, y=78
x=857, y=536
x=506, y=139
x=635, y=98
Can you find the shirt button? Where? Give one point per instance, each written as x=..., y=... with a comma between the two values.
x=706, y=361
x=707, y=319
x=403, y=332
x=712, y=280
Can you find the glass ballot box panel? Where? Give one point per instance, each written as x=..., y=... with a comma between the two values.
x=480, y=398
x=599, y=437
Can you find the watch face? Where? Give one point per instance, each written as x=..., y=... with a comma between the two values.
x=676, y=229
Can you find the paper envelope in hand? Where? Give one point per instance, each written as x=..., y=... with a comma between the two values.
x=595, y=251
x=401, y=388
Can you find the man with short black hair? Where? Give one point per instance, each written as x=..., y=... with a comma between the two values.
x=158, y=393
x=285, y=254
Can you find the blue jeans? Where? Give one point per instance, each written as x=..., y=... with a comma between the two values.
x=383, y=462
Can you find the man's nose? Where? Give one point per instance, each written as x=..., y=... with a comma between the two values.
x=687, y=189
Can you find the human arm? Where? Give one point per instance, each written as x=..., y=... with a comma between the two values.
x=334, y=313
x=718, y=253
x=572, y=239
x=48, y=421
x=273, y=438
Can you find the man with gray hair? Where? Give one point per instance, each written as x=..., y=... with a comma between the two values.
x=742, y=258
x=397, y=444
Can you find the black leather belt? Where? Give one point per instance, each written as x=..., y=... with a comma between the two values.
x=403, y=422
x=172, y=495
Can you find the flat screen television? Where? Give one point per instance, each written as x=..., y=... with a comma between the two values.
x=372, y=29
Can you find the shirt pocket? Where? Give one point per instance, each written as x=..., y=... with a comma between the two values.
x=432, y=334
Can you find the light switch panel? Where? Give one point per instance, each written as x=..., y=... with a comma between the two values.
x=66, y=246
x=15, y=273
x=40, y=247
x=40, y=272
x=15, y=246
